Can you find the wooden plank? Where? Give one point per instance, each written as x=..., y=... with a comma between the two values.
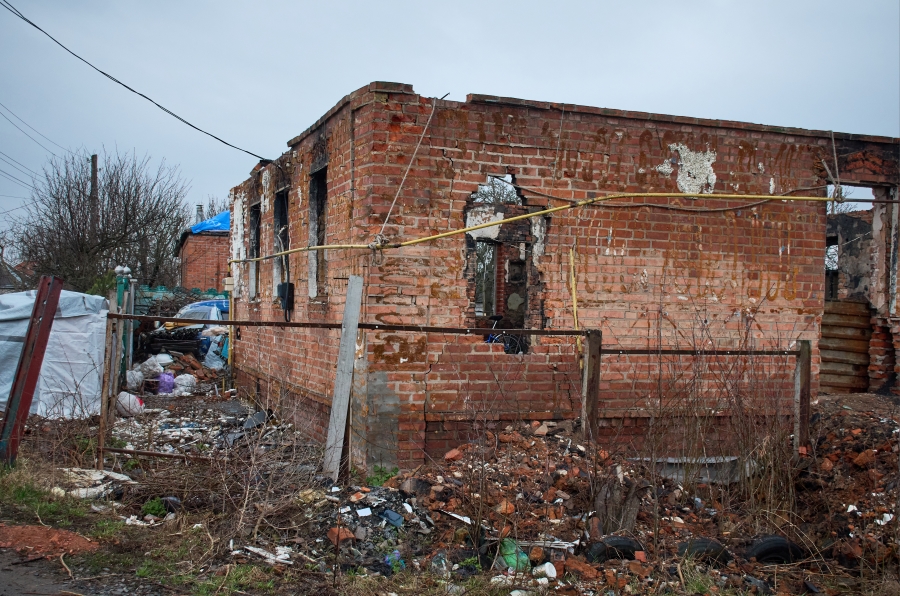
x=847, y=308
x=591, y=383
x=857, y=383
x=846, y=332
x=802, y=380
x=845, y=357
x=856, y=346
x=838, y=368
x=340, y=401
x=108, y=365
x=847, y=321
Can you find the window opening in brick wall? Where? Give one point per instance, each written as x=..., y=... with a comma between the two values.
x=318, y=212
x=485, y=278
x=281, y=239
x=255, y=221
x=497, y=191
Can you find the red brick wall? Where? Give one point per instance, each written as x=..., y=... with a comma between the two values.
x=733, y=274
x=204, y=261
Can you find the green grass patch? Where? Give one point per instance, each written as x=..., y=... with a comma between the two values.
x=24, y=497
x=381, y=476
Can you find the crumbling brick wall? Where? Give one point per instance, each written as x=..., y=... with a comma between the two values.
x=204, y=261
x=677, y=273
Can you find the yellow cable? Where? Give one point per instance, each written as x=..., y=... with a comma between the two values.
x=489, y=224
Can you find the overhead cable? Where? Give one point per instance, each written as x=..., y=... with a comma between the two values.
x=16, y=180
x=34, y=129
x=15, y=167
x=28, y=135
x=16, y=12
x=21, y=164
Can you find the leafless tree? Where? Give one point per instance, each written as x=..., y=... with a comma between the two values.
x=497, y=191
x=135, y=220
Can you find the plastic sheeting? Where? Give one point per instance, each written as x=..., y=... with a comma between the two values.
x=72, y=373
x=219, y=223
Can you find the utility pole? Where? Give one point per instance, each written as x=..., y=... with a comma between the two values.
x=95, y=200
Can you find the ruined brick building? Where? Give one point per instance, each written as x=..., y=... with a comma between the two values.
x=700, y=274
x=203, y=251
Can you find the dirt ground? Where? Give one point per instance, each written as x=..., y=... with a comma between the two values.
x=846, y=491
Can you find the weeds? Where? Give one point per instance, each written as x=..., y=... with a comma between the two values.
x=381, y=476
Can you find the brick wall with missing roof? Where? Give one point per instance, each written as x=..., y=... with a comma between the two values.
x=729, y=275
x=204, y=261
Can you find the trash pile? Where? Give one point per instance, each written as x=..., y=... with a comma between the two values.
x=172, y=374
x=521, y=504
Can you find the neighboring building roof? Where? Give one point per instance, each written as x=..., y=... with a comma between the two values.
x=217, y=225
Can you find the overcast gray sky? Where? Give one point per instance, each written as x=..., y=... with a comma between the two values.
x=258, y=73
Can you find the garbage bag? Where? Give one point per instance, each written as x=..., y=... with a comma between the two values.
x=164, y=359
x=185, y=384
x=166, y=383
x=129, y=405
x=151, y=368
x=513, y=557
x=135, y=379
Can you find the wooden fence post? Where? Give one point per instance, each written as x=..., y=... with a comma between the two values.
x=802, y=380
x=590, y=391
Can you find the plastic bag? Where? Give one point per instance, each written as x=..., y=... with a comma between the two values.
x=164, y=359
x=185, y=384
x=135, y=379
x=129, y=405
x=512, y=555
x=151, y=368
x=166, y=383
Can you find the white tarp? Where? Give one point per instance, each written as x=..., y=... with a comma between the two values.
x=72, y=372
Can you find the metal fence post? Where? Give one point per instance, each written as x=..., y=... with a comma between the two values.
x=28, y=371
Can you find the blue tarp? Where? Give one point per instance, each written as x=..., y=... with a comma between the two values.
x=219, y=223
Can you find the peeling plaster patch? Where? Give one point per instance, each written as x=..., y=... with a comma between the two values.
x=538, y=230
x=238, y=251
x=761, y=167
x=481, y=215
x=772, y=186
x=695, y=171
x=665, y=168
x=641, y=170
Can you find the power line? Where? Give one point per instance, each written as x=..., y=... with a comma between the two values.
x=16, y=12
x=21, y=164
x=16, y=208
x=13, y=178
x=9, y=163
x=33, y=128
x=28, y=135
x=13, y=197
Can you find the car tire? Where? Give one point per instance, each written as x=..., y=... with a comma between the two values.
x=705, y=549
x=613, y=547
x=774, y=549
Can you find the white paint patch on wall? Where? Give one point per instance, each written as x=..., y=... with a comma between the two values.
x=772, y=186
x=238, y=250
x=665, y=168
x=695, y=171
x=538, y=233
x=481, y=215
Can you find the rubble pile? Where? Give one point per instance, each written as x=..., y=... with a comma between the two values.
x=848, y=491
x=520, y=505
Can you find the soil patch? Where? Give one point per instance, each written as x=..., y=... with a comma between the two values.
x=41, y=541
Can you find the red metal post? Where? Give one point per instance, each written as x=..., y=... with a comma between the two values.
x=29, y=368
